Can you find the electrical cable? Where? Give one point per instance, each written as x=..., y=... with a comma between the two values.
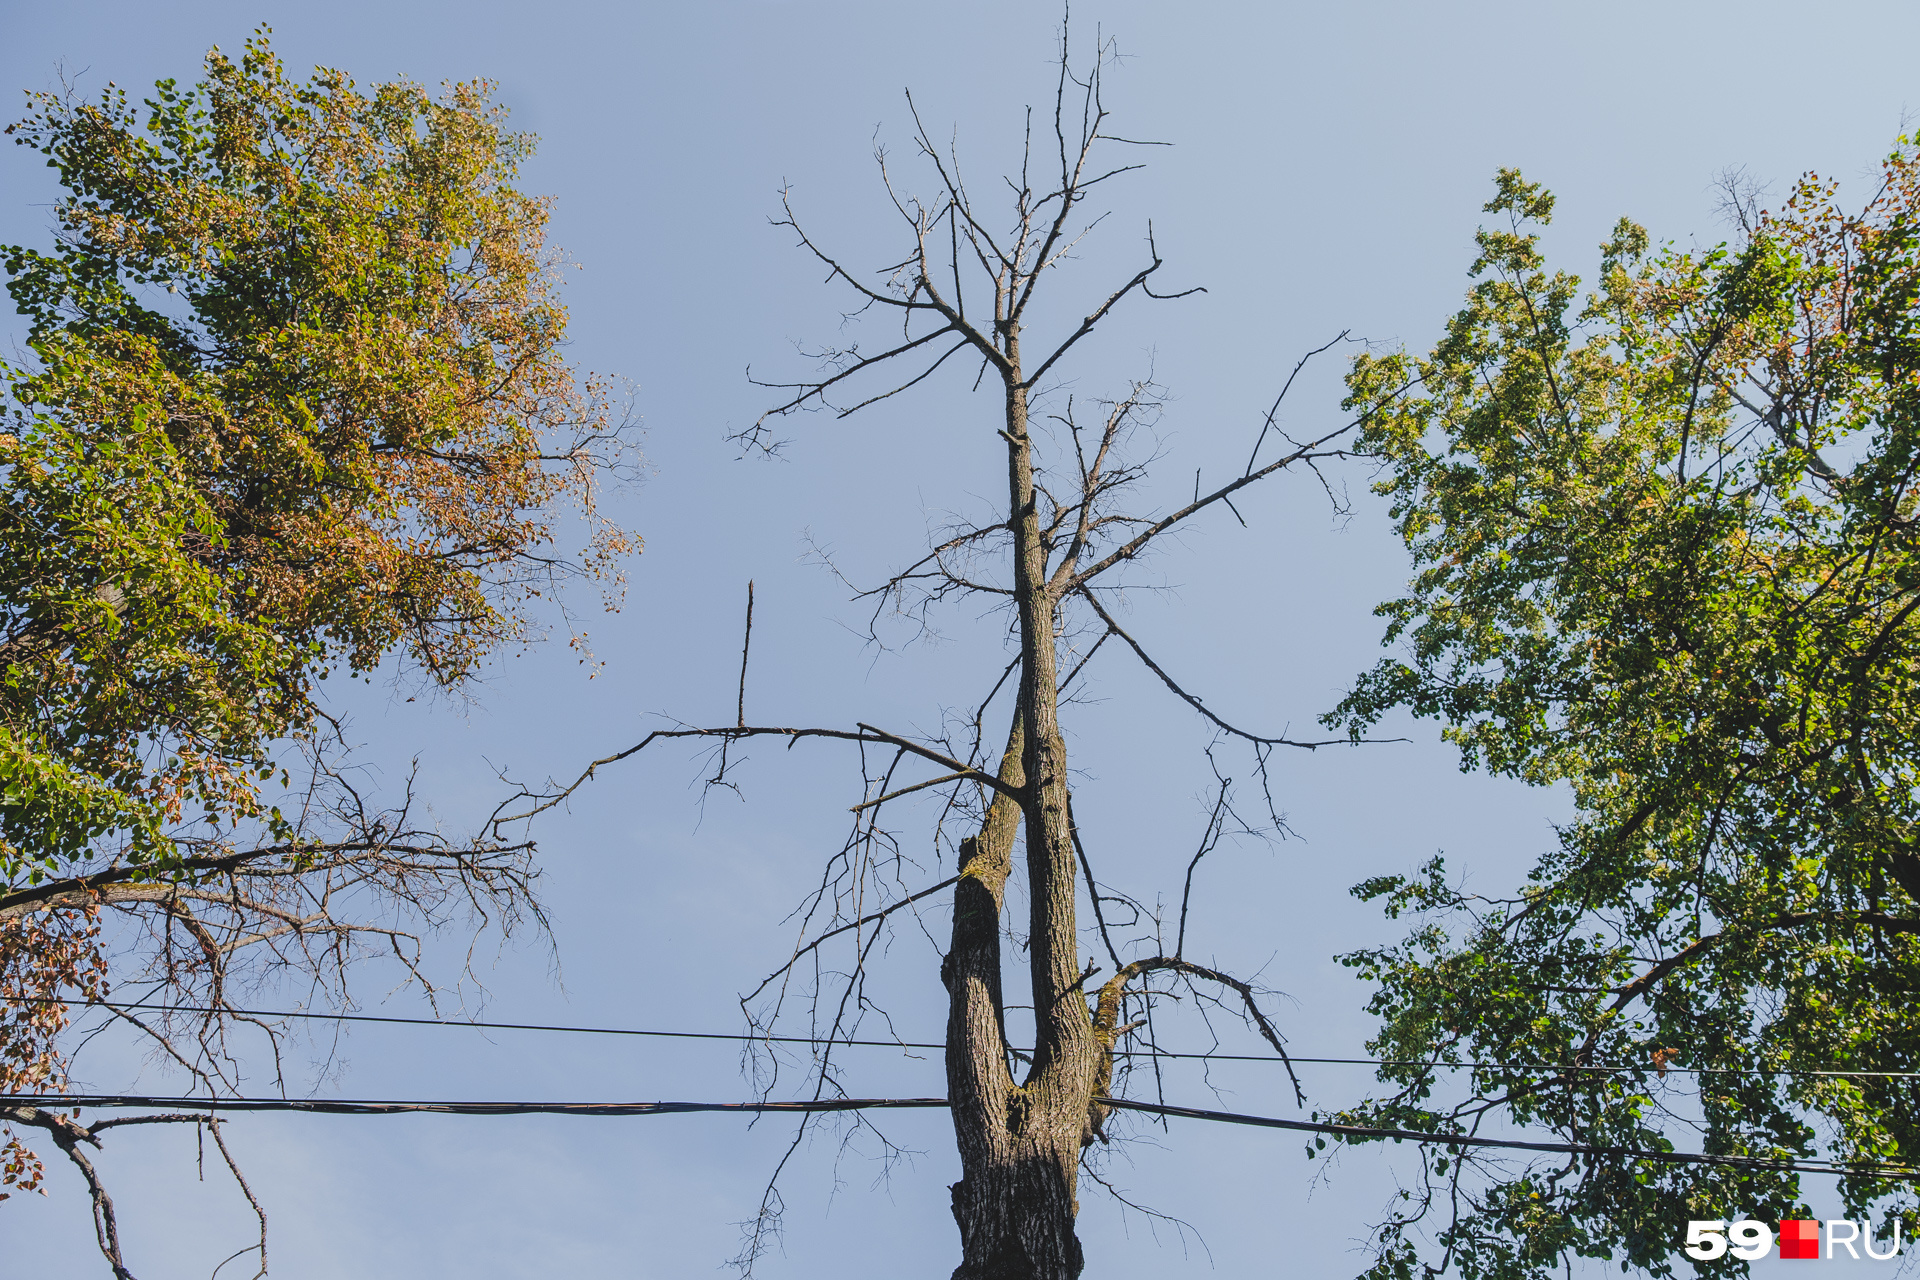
x=738, y=1037
x=1894, y=1172
x=297, y=1014
x=368, y=1107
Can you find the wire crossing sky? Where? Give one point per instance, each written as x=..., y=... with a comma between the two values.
x=1326, y=173
x=625, y=1110
x=1656, y=1069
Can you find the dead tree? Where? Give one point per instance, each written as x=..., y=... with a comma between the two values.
x=1052, y=556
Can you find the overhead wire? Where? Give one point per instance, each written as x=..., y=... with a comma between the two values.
x=1895, y=1172
x=381, y=1107
x=309, y=1015
x=758, y=1038
x=371, y=1107
x=482, y=1108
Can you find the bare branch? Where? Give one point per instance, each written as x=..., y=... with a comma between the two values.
x=233, y=1167
x=817, y=390
x=907, y=791
x=68, y=1134
x=1099, y=313
x=1107, y=1007
x=746, y=642
x=871, y=918
x=1114, y=628
x=1208, y=842
x=1135, y=545
x=1274, y=411
x=865, y=733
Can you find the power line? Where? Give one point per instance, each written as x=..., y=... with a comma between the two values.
x=745, y=1037
x=367, y=1107
x=1896, y=1172
x=298, y=1014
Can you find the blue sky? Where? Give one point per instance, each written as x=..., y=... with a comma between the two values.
x=1327, y=173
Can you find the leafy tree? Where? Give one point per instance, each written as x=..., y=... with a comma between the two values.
x=1666, y=548
x=296, y=402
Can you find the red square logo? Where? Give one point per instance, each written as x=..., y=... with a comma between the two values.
x=1799, y=1239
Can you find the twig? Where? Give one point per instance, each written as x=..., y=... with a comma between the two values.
x=233, y=1167
x=746, y=642
x=904, y=791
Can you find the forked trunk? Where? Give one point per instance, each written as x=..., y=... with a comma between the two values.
x=1015, y=1203
x=1020, y=1143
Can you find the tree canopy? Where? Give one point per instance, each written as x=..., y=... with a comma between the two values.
x=1666, y=549
x=295, y=400
x=297, y=385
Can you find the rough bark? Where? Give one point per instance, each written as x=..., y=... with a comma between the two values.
x=1020, y=1143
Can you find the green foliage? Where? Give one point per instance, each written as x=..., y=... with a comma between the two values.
x=1666, y=557
x=296, y=402
x=117, y=635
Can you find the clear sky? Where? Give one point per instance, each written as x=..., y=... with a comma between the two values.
x=1327, y=173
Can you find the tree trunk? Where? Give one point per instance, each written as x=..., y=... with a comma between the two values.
x=1020, y=1143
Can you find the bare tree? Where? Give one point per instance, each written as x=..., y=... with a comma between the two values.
x=1053, y=557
